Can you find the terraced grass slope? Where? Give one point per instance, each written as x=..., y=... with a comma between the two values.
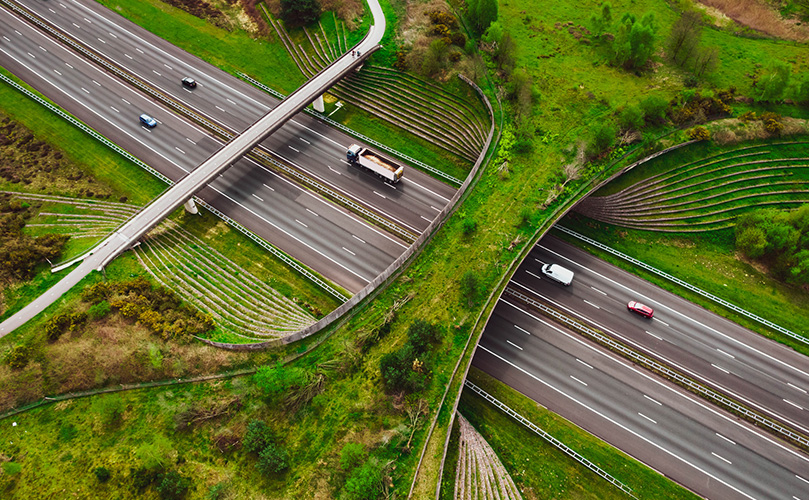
x=709, y=193
x=242, y=305
x=480, y=474
x=449, y=121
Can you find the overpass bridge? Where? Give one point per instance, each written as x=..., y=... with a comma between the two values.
x=127, y=235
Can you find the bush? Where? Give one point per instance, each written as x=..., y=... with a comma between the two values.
x=258, y=436
x=17, y=357
x=397, y=371
x=102, y=474
x=699, y=134
x=421, y=334
x=173, y=486
x=602, y=136
x=364, y=483
x=272, y=459
x=56, y=326
x=654, y=109
x=299, y=12
x=98, y=311
x=352, y=455
x=469, y=226
x=631, y=118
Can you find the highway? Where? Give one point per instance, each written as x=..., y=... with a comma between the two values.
x=757, y=372
x=195, y=181
x=704, y=449
x=304, y=141
x=337, y=244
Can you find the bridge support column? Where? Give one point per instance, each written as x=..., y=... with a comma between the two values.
x=191, y=207
x=318, y=104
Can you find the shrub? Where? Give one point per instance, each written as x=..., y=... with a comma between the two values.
x=258, y=436
x=18, y=356
x=102, y=474
x=299, y=12
x=352, y=455
x=397, y=371
x=272, y=459
x=98, y=311
x=173, y=486
x=56, y=326
x=364, y=483
x=631, y=118
x=421, y=334
x=602, y=136
x=699, y=134
x=469, y=226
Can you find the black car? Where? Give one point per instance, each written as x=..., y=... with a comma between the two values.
x=189, y=82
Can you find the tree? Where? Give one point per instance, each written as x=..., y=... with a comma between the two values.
x=684, y=38
x=635, y=42
x=494, y=33
x=299, y=12
x=102, y=474
x=599, y=23
x=480, y=14
x=272, y=459
x=770, y=88
x=602, y=136
x=257, y=437
x=505, y=54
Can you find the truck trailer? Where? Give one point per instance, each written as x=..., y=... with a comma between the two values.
x=382, y=167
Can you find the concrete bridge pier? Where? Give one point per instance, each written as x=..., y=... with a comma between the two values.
x=191, y=207
x=318, y=104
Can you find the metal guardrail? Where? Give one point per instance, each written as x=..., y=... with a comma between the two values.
x=263, y=243
x=347, y=202
x=688, y=286
x=664, y=370
x=227, y=135
x=276, y=252
x=550, y=439
x=356, y=134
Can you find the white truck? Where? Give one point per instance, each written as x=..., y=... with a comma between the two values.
x=382, y=167
x=558, y=273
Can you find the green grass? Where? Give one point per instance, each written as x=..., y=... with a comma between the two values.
x=353, y=407
x=106, y=166
x=539, y=469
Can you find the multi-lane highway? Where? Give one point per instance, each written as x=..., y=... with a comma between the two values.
x=335, y=243
x=704, y=449
x=231, y=103
x=761, y=374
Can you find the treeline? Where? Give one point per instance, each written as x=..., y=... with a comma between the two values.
x=778, y=238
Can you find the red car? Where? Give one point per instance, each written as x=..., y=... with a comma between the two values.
x=643, y=310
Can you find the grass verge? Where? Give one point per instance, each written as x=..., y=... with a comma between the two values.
x=541, y=470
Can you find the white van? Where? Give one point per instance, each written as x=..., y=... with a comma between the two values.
x=558, y=273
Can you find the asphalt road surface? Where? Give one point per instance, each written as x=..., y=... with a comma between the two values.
x=304, y=141
x=328, y=239
x=760, y=373
x=704, y=449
